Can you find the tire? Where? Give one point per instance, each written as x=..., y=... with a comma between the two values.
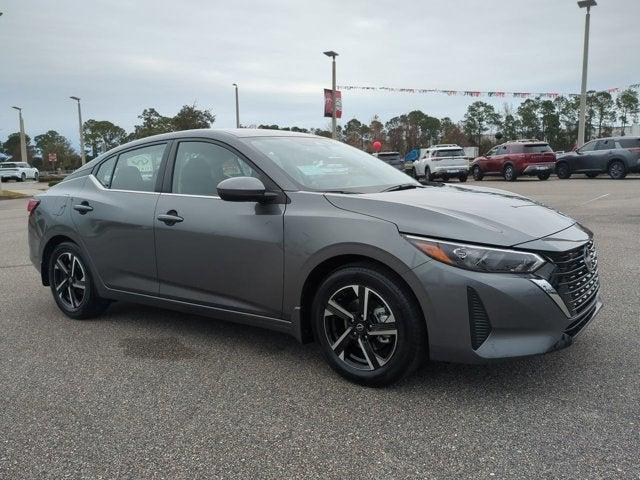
x=592, y=174
x=617, y=170
x=477, y=173
x=413, y=173
x=463, y=178
x=509, y=173
x=427, y=175
x=562, y=170
x=544, y=176
x=23, y=177
x=351, y=342
x=67, y=263
x=36, y=176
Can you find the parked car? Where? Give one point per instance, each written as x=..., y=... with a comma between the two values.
x=443, y=161
x=616, y=156
x=19, y=171
x=392, y=158
x=251, y=226
x=515, y=158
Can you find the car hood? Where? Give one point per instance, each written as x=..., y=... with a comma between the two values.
x=472, y=214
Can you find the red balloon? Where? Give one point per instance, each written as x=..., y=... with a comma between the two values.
x=377, y=145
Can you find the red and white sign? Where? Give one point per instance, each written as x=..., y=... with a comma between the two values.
x=53, y=157
x=328, y=103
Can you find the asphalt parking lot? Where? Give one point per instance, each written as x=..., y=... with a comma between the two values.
x=146, y=393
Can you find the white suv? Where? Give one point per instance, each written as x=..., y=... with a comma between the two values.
x=442, y=161
x=19, y=171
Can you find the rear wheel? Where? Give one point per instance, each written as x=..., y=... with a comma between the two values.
x=427, y=175
x=562, y=170
x=544, y=176
x=36, y=176
x=477, y=173
x=591, y=174
x=510, y=174
x=72, y=283
x=23, y=177
x=463, y=178
x=617, y=170
x=369, y=327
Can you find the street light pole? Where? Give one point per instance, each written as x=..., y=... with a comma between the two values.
x=333, y=56
x=585, y=60
x=237, y=107
x=23, y=143
x=82, y=157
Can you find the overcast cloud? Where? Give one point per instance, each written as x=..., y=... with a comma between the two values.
x=122, y=57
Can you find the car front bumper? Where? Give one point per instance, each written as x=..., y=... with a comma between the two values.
x=477, y=317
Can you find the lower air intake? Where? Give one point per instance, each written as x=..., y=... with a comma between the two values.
x=478, y=319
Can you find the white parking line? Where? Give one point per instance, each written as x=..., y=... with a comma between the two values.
x=594, y=199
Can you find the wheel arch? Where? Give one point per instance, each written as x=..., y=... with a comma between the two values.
x=48, y=249
x=301, y=319
x=618, y=159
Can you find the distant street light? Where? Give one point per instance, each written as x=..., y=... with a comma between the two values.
x=23, y=143
x=333, y=56
x=77, y=99
x=585, y=60
x=237, y=107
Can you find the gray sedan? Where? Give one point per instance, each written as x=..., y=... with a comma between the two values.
x=311, y=237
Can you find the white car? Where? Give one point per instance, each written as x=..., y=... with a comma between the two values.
x=19, y=171
x=442, y=161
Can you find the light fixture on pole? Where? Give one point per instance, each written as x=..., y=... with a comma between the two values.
x=237, y=107
x=333, y=56
x=23, y=143
x=585, y=60
x=82, y=157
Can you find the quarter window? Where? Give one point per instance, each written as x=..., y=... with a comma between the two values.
x=103, y=175
x=201, y=166
x=137, y=170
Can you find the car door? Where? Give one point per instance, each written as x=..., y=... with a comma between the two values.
x=218, y=253
x=602, y=154
x=487, y=163
x=585, y=159
x=114, y=216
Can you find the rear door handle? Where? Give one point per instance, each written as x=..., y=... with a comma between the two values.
x=170, y=218
x=83, y=208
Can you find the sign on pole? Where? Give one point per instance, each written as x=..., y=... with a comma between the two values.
x=53, y=157
x=328, y=103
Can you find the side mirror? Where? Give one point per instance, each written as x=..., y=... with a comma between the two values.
x=244, y=189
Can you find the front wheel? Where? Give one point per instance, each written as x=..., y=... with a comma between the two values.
x=36, y=176
x=510, y=174
x=562, y=170
x=544, y=176
x=427, y=175
x=23, y=177
x=368, y=325
x=463, y=178
x=72, y=284
x=477, y=173
x=617, y=170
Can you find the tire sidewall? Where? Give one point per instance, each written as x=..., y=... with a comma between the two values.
x=411, y=339
x=562, y=170
x=617, y=176
x=88, y=305
x=477, y=173
x=509, y=177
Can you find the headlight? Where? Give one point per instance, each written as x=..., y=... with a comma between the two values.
x=477, y=258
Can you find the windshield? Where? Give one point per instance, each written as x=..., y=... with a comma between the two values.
x=320, y=164
x=457, y=152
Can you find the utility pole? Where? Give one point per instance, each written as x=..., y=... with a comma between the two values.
x=333, y=56
x=585, y=61
x=82, y=157
x=237, y=107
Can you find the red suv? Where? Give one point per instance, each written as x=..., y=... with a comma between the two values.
x=512, y=159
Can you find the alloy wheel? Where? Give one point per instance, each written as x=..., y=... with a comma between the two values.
x=360, y=327
x=616, y=170
x=69, y=280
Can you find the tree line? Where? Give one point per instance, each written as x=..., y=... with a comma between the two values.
x=555, y=121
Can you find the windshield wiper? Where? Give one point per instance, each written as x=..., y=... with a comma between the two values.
x=402, y=186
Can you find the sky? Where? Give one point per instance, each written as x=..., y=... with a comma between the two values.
x=123, y=56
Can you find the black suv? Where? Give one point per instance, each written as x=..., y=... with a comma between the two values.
x=616, y=156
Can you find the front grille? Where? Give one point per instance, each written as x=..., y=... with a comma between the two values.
x=575, y=278
x=478, y=319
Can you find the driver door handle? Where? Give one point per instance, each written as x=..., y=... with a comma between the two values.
x=170, y=218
